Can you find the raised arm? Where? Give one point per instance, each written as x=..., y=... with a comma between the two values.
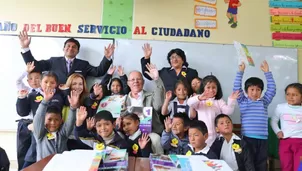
x=146, y=59
x=69, y=124
x=19, y=82
x=229, y=108
x=238, y=83
x=271, y=86
x=124, y=79
x=165, y=107
x=106, y=79
x=165, y=140
x=104, y=65
x=42, y=65
x=39, y=118
x=158, y=93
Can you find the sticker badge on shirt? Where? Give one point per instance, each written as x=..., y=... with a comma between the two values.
x=39, y=99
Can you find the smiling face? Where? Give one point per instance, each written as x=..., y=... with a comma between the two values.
x=176, y=61
x=210, y=89
x=181, y=92
x=115, y=87
x=48, y=82
x=70, y=50
x=104, y=128
x=293, y=96
x=53, y=121
x=135, y=82
x=77, y=84
x=34, y=79
x=130, y=126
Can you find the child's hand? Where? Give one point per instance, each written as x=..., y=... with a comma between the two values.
x=108, y=51
x=242, y=67
x=147, y=50
x=143, y=141
x=22, y=93
x=30, y=127
x=90, y=122
x=168, y=95
x=73, y=99
x=235, y=95
x=203, y=96
x=152, y=71
x=280, y=135
x=120, y=71
x=111, y=70
x=118, y=122
x=97, y=89
x=168, y=124
x=30, y=66
x=81, y=115
x=48, y=94
x=264, y=66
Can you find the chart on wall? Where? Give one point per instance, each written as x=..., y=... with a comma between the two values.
x=207, y=21
x=286, y=23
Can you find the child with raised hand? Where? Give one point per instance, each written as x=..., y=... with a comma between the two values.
x=175, y=136
x=50, y=132
x=209, y=104
x=104, y=137
x=179, y=103
x=23, y=133
x=117, y=86
x=231, y=148
x=139, y=143
x=290, y=134
x=253, y=109
x=198, y=134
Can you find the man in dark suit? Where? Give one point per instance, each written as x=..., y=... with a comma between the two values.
x=69, y=64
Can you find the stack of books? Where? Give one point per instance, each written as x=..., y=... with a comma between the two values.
x=114, y=160
x=162, y=163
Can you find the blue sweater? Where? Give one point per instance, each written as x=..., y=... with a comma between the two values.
x=254, y=116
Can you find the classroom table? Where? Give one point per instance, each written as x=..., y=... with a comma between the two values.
x=134, y=164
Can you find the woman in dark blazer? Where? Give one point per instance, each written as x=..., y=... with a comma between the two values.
x=178, y=68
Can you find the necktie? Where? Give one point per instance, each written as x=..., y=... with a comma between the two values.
x=69, y=63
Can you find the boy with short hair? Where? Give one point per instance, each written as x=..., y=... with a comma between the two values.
x=23, y=133
x=50, y=132
x=229, y=147
x=254, y=116
x=105, y=135
x=198, y=134
x=175, y=136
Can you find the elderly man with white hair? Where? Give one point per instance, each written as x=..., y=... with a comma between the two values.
x=138, y=97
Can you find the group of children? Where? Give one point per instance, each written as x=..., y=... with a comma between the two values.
x=196, y=124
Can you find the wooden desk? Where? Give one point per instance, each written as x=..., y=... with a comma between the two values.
x=142, y=164
x=39, y=166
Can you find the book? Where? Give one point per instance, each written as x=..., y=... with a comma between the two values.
x=243, y=54
x=158, y=161
x=114, y=104
x=145, y=116
x=114, y=159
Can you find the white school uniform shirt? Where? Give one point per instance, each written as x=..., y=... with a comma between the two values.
x=227, y=153
x=290, y=120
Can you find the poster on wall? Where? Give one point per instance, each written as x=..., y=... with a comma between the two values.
x=206, y=21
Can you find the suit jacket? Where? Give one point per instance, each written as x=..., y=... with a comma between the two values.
x=155, y=100
x=58, y=65
x=244, y=159
x=169, y=76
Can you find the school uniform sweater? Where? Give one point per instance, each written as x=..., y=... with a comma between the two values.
x=45, y=144
x=173, y=144
x=134, y=148
x=254, y=116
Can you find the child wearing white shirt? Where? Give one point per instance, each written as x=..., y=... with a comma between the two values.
x=290, y=134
